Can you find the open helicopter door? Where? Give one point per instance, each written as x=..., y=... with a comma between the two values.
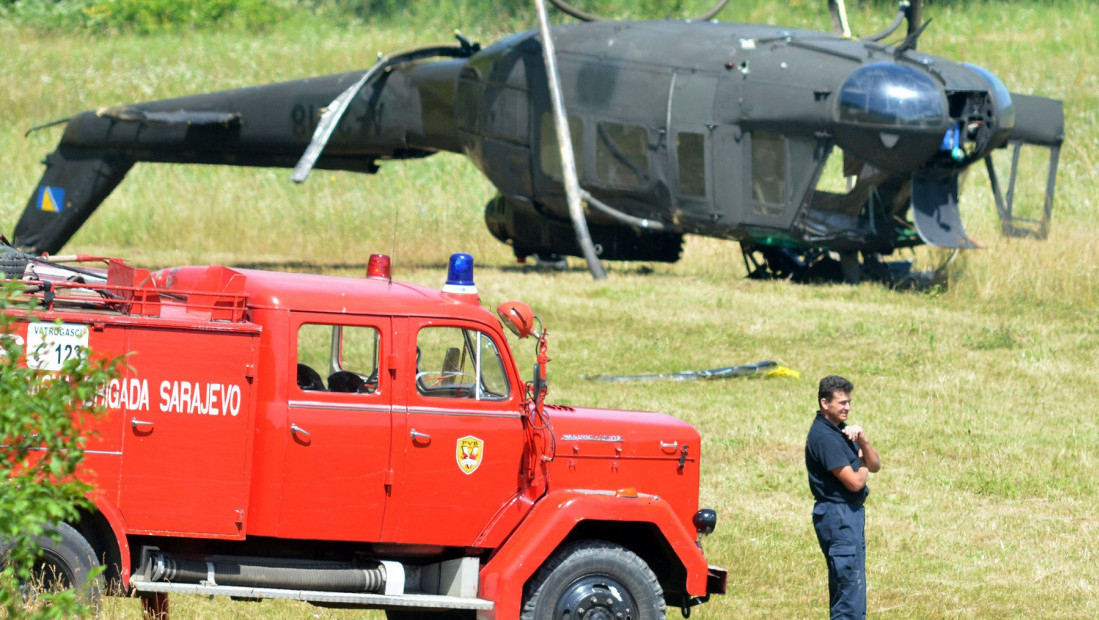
x=935, y=211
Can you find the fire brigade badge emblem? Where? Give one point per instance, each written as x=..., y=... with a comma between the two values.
x=468, y=452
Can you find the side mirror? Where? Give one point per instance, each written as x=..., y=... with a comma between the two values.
x=539, y=383
x=517, y=317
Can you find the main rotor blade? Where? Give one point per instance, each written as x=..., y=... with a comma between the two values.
x=329, y=120
x=935, y=211
x=333, y=112
x=568, y=158
x=839, y=18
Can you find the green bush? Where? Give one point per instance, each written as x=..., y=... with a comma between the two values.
x=41, y=446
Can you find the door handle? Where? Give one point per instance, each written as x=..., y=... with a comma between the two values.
x=140, y=426
x=297, y=430
x=421, y=438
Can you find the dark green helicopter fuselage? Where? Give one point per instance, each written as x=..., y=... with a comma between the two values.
x=722, y=130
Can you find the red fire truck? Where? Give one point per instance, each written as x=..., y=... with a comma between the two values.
x=358, y=442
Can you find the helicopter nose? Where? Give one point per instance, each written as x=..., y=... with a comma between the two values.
x=889, y=95
x=891, y=115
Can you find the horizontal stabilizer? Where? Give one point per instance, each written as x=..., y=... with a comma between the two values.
x=935, y=210
x=179, y=117
x=75, y=182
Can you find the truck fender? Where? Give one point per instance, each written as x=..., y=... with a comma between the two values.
x=550, y=522
x=118, y=529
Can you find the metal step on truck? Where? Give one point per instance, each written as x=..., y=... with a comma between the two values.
x=356, y=442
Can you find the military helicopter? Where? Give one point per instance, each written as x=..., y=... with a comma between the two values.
x=808, y=148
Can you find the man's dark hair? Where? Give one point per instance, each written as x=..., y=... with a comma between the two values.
x=832, y=384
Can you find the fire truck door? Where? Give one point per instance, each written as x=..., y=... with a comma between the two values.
x=188, y=415
x=460, y=446
x=338, y=429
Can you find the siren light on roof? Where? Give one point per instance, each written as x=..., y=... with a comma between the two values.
x=459, y=275
x=378, y=267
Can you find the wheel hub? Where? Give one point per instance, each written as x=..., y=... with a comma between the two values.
x=595, y=597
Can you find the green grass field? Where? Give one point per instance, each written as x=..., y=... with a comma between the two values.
x=981, y=397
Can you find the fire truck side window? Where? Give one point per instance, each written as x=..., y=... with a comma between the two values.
x=459, y=363
x=338, y=358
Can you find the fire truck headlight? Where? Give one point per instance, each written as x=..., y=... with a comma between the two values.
x=459, y=275
x=705, y=521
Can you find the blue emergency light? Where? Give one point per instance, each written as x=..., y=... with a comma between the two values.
x=459, y=275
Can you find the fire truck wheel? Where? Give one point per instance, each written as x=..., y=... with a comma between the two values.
x=593, y=579
x=66, y=560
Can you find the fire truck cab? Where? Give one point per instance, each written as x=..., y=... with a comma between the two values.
x=363, y=442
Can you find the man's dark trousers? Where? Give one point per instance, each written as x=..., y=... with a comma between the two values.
x=840, y=532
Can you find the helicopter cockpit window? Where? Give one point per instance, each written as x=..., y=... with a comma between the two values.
x=622, y=155
x=768, y=168
x=459, y=363
x=549, y=153
x=892, y=95
x=338, y=358
x=691, y=153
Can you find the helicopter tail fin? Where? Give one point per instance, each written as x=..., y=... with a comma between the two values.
x=76, y=181
x=1038, y=122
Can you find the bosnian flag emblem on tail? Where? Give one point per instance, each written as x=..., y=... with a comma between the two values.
x=51, y=199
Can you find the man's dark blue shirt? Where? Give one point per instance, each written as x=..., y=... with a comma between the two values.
x=826, y=449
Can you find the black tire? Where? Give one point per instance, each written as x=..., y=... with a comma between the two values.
x=65, y=561
x=12, y=262
x=594, y=576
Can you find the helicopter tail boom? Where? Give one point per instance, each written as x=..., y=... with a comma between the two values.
x=405, y=113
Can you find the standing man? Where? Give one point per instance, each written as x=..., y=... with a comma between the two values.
x=839, y=458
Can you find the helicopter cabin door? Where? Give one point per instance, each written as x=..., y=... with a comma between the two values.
x=777, y=170
x=691, y=139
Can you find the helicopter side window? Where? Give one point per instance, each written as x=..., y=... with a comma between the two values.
x=338, y=358
x=691, y=153
x=768, y=168
x=459, y=363
x=549, y=154
x=622, y=155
